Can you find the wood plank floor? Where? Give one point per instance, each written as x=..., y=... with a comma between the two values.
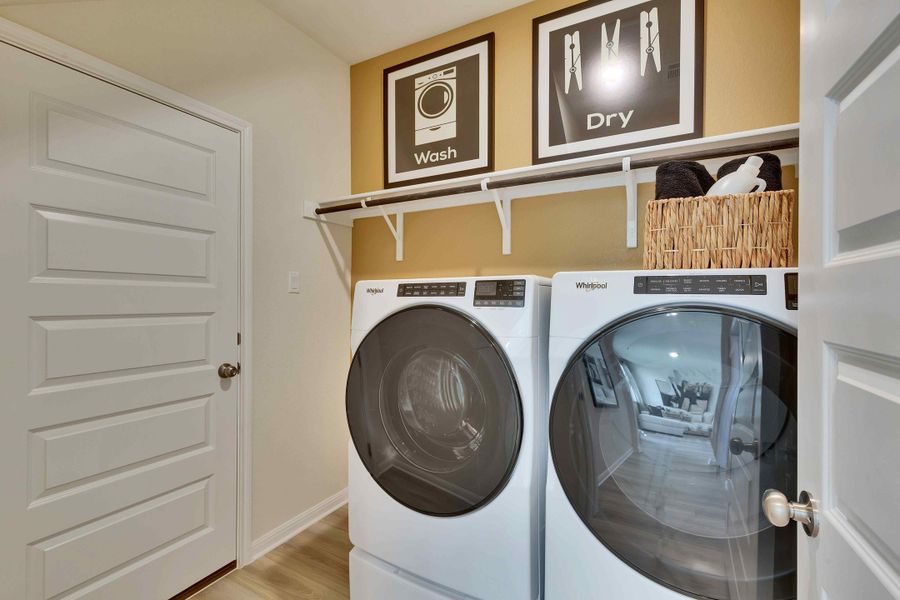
x=311, y=566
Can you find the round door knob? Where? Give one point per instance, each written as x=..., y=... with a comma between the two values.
x=780, y=511
x=777, y=508
x=228, y=370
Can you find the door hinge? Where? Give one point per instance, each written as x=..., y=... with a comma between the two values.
x=239, y=338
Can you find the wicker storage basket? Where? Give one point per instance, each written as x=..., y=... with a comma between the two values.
x=713, y=232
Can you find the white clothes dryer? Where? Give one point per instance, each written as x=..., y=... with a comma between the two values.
x=673, y=410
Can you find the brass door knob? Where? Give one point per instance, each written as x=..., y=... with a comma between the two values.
x=780, y=511
x=228, y=370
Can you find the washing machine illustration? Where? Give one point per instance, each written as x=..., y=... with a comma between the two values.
x=435, y=97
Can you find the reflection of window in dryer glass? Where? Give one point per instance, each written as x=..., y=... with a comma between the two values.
x=435, y=101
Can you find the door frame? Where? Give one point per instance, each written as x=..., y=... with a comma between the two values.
x=45, y=47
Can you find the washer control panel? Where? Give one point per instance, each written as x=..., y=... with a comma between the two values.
x=500, y=292
x=438, y=288
x=732, y=285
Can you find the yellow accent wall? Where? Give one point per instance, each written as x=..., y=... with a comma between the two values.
x=752, y=73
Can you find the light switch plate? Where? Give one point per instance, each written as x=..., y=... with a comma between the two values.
x=293, y=282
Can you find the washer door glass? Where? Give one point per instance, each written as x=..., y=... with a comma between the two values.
x=434, y=410
x=666, y=429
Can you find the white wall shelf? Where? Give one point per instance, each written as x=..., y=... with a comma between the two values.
x=626, y=169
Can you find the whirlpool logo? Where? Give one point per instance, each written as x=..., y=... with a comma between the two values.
x=590, y=286
x=374, y=291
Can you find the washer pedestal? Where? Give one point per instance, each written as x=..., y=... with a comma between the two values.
x=374, y=579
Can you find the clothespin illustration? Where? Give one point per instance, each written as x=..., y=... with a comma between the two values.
x=650, y=39
x=610, y=52
x=573, y=60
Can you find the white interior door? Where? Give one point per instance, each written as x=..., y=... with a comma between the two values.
x=119, y=270
x=849, y=343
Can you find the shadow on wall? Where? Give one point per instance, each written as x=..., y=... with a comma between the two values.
x=338, y=260
x=564, y=232
x=577, y=229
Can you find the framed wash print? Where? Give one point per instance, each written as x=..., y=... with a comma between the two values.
x=616, y=74
x=438, y=114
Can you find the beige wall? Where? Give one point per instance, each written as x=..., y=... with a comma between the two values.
x=751, y=81
x=241, y=58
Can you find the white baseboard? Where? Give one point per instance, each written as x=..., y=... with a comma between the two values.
x=269, y=541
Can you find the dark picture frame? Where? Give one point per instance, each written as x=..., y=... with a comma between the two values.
x=599, y=381
x=428, y=107
x=559, y=132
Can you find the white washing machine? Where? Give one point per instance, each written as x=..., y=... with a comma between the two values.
x=673, y=409
x=447, y=410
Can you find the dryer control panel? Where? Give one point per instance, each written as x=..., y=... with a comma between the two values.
x=500, y=292
x=438, y=288
x=734, y=285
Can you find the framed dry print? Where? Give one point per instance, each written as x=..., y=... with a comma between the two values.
x=616, y=74
x=438, y=114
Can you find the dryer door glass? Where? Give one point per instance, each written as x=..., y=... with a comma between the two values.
x=434, y=410
x=665, y=431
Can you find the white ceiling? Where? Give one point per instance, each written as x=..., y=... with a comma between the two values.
x=356, y=30
x=359, y=29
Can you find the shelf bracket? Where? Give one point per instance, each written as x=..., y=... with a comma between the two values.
x=630, y=204
x=396, y=230
x=504, y=212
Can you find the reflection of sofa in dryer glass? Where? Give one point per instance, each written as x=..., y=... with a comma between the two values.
x=694, y=416
x=676, y=421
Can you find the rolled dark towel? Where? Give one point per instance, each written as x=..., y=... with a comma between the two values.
x=682, y=179
x=770, y=171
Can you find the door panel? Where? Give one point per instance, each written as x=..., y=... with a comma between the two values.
x=849, y=367
x=857, y=139
x=119, y=263
x=73, y=558
x=116, y=344
x=85, y=142
x=69, y=455
x=107, y=248
x=865, y=399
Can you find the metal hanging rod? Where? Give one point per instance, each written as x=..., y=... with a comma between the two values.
x=615, y=167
